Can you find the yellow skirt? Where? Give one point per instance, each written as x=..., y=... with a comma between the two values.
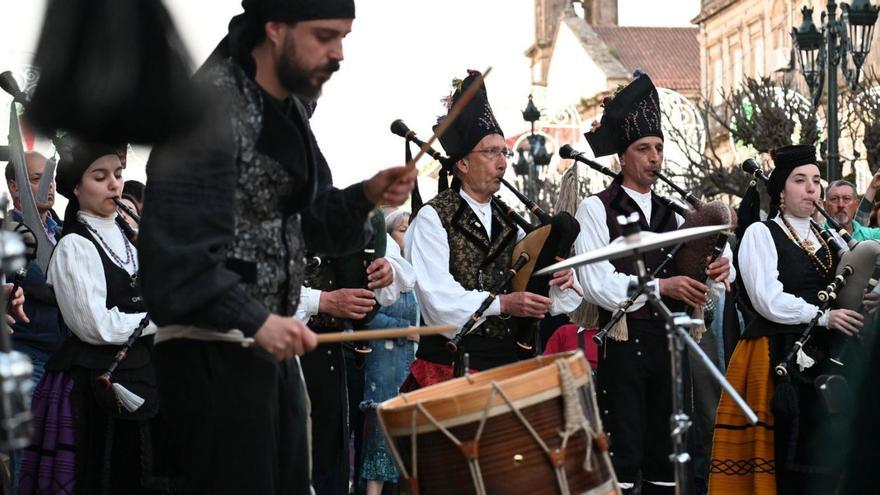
x=742, y=454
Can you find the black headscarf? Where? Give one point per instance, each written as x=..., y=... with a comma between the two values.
x=785, y=160
x=475, y=122
x=630, y=115
x=246, y=30
x=75, y=157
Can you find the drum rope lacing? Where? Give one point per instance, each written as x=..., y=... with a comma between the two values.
x=575, y=421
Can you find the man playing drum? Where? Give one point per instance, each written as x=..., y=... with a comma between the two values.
x=460, y=244
x=633, y=378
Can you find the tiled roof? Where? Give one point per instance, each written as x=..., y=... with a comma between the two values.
x=671, y=56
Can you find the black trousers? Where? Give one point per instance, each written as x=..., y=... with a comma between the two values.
x=634, y=390
x=237, y=415
x=324, y=370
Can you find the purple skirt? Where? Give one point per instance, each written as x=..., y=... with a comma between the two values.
x=48, y=464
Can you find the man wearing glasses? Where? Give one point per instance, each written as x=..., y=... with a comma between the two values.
x=460, y=244
x=841, y=202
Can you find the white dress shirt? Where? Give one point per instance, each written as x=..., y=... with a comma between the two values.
x=403, y=281
x=443, y=301
x=758, y=268
x=603, y=285
x=77, y=274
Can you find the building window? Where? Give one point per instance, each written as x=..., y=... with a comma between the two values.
x=759, y=57
x=737, y=67
x=717, y=82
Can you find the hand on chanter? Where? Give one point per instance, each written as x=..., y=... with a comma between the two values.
x=565, y=280
x=353, y=304
x=379, y=274
x=685, y=289
x=284, y=337
x=524, y=304
x=871, y=301
x=391, y=186
x=845, y=321
x=16, y=306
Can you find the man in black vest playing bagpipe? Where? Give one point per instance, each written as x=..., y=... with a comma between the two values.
x=634, y=384
x=460, y=245
x=229, y=209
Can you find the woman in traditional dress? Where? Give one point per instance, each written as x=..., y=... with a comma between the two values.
x=90, y=438
x=783, y=264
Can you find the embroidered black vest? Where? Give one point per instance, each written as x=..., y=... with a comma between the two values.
x=477, y=263
x=135, y=372
x=617, y=202
x=268, y=247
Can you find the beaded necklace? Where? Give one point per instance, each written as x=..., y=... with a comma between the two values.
x=130, y=258
x=808, y=247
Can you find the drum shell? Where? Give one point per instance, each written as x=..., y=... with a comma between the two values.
x=510, y=460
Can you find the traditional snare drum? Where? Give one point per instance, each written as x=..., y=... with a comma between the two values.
x=529, y=427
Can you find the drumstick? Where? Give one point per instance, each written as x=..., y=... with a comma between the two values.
x=453, y=114
x=387, y=333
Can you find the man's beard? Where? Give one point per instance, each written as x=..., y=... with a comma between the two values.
x=299, y=81
x=842, y=218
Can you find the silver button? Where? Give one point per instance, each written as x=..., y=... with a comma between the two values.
x=605, y=411
x=638, y=353
x=637, y=341
x=332, y=368
x=329, y=352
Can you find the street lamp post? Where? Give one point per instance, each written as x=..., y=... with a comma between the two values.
x=534, y=156
x=850, y=35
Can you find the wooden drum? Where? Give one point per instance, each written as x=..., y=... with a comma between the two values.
x=529, y=427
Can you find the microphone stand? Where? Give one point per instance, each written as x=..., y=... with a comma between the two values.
x=677, y=332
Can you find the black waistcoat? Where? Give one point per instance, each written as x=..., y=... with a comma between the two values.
x=799, y=276
x=617, y=202
x=135, y=372
x=477, y=263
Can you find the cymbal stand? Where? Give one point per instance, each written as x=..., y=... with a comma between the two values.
x=677, y=331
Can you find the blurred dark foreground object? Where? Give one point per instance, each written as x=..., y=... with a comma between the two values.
x=112, y=71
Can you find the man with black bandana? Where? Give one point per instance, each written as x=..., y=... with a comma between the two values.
x=229, y=208
x=633, y=380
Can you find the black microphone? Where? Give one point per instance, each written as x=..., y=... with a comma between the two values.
x=752, y=168
x=10, y=85
x=569, y=153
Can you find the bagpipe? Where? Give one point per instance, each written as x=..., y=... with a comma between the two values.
x=858, y=269
x=690, y=258
x=350, y=272
x=544, y=244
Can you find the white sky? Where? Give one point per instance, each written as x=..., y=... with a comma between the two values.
x=400, y=59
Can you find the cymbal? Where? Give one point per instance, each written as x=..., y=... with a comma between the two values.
x=644, y=242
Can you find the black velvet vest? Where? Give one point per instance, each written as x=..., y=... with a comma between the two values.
x=617, y=202
x=799, y=276
x=135, y=372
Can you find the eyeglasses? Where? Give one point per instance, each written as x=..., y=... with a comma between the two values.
x=492, y=153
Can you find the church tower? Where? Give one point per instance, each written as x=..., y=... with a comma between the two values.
x=548, y=16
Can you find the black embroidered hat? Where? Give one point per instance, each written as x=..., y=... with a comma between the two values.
x=475, y=122
x=631, y=114
x=785, y=160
